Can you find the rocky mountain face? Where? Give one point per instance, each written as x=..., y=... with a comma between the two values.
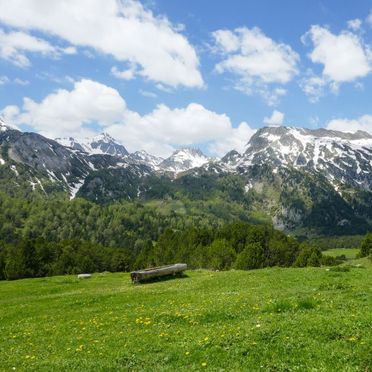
x=67, y=162
x=101, y=144
x=143, y=157
x=303, y=181
x=183, y=160
x=343, y=158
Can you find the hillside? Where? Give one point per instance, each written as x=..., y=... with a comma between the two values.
x=305, y=182
x=269, y=319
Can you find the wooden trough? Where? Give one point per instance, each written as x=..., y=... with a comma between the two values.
x=84, y=276
x=155, y=272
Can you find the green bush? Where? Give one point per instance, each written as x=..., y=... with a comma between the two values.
x=252, y=257
x=308, y=256
x=221, y=255
x=366, y=246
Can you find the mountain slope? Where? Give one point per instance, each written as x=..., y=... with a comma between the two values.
x=143, y=157
x=307, y=182
x=343, y=158
x=101, y=144
x=184, y=159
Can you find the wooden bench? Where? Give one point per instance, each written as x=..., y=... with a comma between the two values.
x=155, y=272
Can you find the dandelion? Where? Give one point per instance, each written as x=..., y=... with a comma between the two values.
x=206, y=338
x=204, y=364
x=187, y=353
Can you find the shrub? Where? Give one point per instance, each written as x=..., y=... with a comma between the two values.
x=308, y=256
x=329, y=261
x=252, y=257
x=366, y=246
x=221, y=255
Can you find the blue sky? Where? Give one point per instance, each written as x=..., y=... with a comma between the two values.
x=163, y=74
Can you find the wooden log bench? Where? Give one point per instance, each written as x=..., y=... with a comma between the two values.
x=156, y=272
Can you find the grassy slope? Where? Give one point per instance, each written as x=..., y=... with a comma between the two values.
x=270, y=319
x=350, y=253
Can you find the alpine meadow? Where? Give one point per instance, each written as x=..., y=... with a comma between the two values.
x=185, y=186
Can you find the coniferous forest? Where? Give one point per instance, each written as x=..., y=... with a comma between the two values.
x=52, y=236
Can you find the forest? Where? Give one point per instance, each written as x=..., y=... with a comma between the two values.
x=52, y=236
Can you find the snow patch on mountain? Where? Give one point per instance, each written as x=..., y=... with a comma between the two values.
x=142, y=157
x=98, y=145
x=6, y=126
x=184, y=159
x=339, y=156
x=74, y=188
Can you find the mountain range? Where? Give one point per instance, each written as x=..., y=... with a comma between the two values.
x=303, y=181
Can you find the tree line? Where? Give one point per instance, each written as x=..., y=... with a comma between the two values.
x=238, y=245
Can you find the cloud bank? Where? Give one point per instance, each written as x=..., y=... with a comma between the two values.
x=90, y=107
x=260, y=64
x=123, y=29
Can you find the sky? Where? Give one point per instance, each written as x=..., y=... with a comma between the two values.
x=161, y=74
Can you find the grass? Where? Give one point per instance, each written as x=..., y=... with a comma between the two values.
x=349, y=253
x=270, y=319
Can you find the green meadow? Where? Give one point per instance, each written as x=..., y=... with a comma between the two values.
x=311, y=319
x=349, y=253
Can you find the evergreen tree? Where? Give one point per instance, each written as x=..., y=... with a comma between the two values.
x=252, y=257
x=221, y=255
x=366, y=246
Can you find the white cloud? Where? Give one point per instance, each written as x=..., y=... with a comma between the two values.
x=123, y=29
x=147, y=93
x=91, y=106
x=15, y=45
x=258, y=61
x=164, y=129
x=64, y=112
x=127, y=74
x=10, y=115
x=344, y=57
x=363, y=123
x=236, y=139
x=21, y=81
x=4, y=80
x=313, y=86
x=369, y=18
x=275, y=119
x=354, y=24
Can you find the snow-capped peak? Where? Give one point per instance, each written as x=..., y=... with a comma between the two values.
x=100, y=144
x=143, y=157
x=5, y=126
x=184, y=159
x=346, y=157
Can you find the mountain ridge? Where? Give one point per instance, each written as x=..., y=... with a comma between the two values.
x=303, y=181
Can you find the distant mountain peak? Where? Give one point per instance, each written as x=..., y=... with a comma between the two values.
x=102, y=143
x=184, y=159
x=189, y=150
x=339, y=156
x=317, y=133
x=5, y=126
x=103, y=137
x=143, y=157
